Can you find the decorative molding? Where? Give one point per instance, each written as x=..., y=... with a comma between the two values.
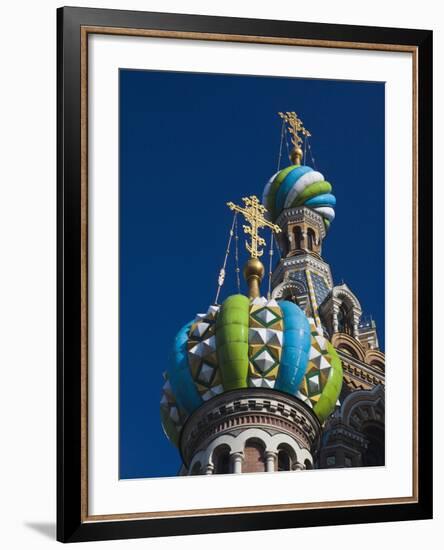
x=359, y=371
x=300, y=214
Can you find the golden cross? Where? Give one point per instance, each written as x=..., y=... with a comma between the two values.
x=294, y=126
x=253, y=213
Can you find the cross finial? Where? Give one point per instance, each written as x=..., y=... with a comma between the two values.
x=295, y=127
x=253, y=212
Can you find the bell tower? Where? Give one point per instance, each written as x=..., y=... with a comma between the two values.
x=302, y=276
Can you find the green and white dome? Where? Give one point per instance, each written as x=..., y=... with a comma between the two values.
x=299, y=186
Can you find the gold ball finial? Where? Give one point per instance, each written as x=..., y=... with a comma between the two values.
x=296, y=156
x=254, y=272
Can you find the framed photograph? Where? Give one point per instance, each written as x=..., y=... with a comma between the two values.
x=244, y=274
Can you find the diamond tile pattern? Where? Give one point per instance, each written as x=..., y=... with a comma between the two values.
x=318, y=370
x=202, y=357
x=263, y=361
x=265, y=337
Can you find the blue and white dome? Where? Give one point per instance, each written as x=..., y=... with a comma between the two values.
x=299, y=185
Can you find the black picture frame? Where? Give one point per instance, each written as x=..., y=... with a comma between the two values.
x=72, y=524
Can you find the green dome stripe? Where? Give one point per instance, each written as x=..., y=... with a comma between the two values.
x=318, y=188
x=232, y=341
x=327, y=402
x=271, y=200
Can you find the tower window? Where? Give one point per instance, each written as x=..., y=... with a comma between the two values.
x=311, y=239
x=343, y=320
x=297, y=232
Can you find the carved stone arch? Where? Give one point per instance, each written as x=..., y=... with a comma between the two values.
x=364, y=406
x=294, y=291
x=344, y=342
x=341, y=311
x=343, y=294
x=375, y=358
x=287, y=288
x=364, y=412
x=207, y=455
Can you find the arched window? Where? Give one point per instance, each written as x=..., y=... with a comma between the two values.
x=348, y=349
x=344, y=324
x=221, y=460
x=284, y=464
x=311, y=239
x=297, y=232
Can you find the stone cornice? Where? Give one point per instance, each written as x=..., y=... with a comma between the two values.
x=362, y=372
x=299, y=214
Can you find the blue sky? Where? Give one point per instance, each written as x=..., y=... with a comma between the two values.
x=188, y=144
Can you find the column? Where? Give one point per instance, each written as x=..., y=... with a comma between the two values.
x=356, y=318
x=209, y=469
x=335, y=318
x=236, y=463
x=270, y=461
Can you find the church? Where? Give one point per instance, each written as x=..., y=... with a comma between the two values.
x=286, y=379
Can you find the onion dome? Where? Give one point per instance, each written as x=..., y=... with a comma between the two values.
x=299, y=185
x=249, y=343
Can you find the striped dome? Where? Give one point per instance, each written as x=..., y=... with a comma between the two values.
x=299, y=186
x=242, y=344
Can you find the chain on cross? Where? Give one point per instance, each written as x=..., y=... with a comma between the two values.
x=253, y=212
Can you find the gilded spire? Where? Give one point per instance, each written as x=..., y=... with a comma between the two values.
x=253, y=212
x=295, y=128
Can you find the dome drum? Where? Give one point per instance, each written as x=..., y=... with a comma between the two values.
x=234, y=417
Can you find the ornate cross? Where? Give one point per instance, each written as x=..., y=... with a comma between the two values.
x=253, y=213
x=294, y=126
